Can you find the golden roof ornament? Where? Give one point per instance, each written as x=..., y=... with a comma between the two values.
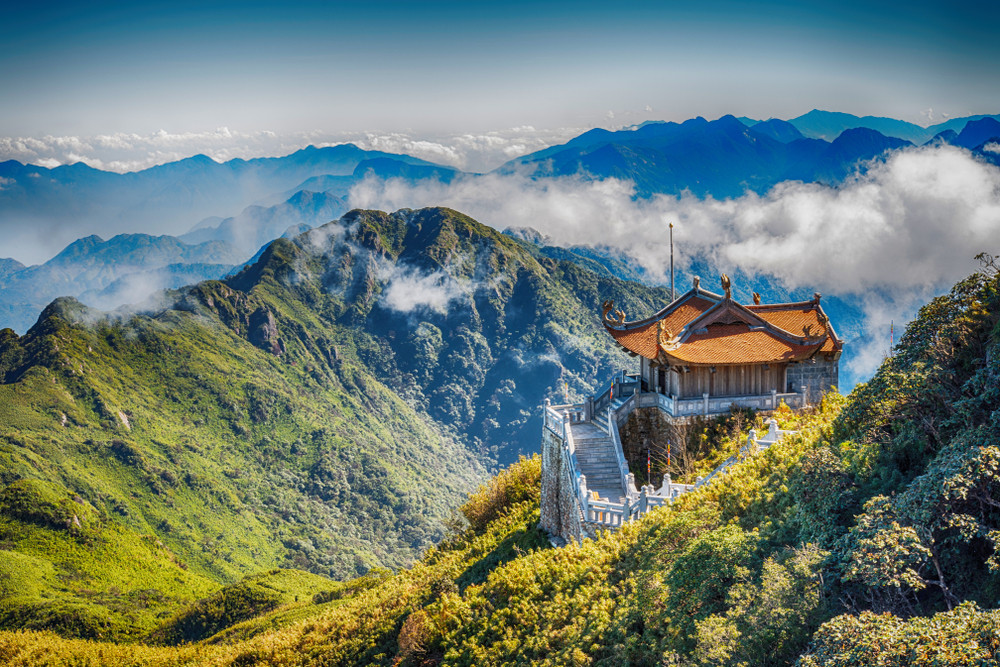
x=727, y=286
x=665, y=338
x=617, y=320
x=756, y=299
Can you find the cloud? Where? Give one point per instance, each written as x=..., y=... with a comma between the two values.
x=887, y=240
x=408, y=289
x=992, y=148
x=123, y=151
x=4, y=182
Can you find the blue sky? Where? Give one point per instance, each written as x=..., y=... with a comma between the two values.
x=432, y=67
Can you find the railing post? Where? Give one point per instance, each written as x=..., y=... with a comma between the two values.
x=630, y=485
x=805, y=395
x=774, y=399
x=704, y=404
x=588, y=409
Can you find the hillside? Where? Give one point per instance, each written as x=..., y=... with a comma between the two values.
x=325, y=409
x=867, y=538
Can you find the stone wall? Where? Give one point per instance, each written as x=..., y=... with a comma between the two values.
x=644, y=425
x=560, y=511
x=817, y=375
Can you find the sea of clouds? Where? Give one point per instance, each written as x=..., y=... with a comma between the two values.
x=124, y=152
x=887, y=239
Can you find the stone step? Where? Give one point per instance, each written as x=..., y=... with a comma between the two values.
x=610, y=470
x=598, y=474
x=598, y=480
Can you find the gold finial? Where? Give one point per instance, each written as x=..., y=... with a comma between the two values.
x=664, y=337
x=617, y=320
x=756, y=299
x=727, y=286
x=816, y=297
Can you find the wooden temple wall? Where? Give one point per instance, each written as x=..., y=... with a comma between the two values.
x=738, y=380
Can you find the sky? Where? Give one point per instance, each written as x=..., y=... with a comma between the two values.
x=157, y=79
x=127, y=85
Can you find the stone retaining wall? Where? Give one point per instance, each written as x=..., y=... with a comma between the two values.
x=817, y=375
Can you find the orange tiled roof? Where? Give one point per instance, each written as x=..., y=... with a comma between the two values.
x=705, y=328
x=737, y=344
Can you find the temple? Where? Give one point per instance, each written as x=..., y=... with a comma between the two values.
x=705, y=352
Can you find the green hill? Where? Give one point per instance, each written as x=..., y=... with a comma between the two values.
x=302, y=415
x=866, y=538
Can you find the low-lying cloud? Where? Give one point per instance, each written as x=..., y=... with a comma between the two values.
x=887, y=239
x=408, y=289
x=124, y=152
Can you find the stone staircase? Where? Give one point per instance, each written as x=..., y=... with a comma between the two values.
x=598, y=463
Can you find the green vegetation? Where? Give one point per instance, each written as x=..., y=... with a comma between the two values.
x=293, y=416
x=868, y=537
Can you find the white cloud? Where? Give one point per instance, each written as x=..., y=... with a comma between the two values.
x=124, y=151
x=992, y=148
x=408, y=289
x=4, y=182
x=888, y=240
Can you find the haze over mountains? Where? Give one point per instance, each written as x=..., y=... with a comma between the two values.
x=197, y=219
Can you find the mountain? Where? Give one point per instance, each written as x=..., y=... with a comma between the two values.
x=828, y=125
x=106, y=274
x=257, y=225
x=129, y=268
x=956, y=124
x=779, y=130
x=721, y=158
x=43, y=209
x=841, y=157
x=323, y=409
x=978, y=132
x=866, y=536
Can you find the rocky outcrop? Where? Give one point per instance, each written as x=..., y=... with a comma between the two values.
x=263, y=332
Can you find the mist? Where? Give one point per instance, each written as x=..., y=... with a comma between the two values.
x=888, y=239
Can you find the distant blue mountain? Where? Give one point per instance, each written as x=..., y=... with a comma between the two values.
x=48, y=208
x=256, y=225
x=721, y=158
x=106, y=274
x=958, y=124
x=978, y=132
x=779, y=130
x=828, y=125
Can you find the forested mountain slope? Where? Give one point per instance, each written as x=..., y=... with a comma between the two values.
x=867, y=538
x=325, y=409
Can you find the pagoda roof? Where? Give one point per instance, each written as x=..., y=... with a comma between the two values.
x=704, y=328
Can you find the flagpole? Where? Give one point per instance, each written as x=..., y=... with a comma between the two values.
x=671, y=262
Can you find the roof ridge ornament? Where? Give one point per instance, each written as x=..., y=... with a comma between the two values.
x=697, y=282
x=816, y=297
x=665, y=338
x=727, y=286
x=619, y=317
x=756, y=299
